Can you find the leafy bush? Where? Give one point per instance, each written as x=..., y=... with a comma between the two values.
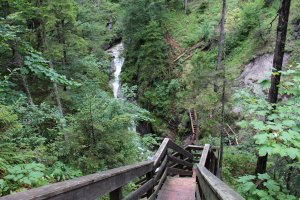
x=276, y=131
x=237, y=163
x=272, y=189
x=25, y=176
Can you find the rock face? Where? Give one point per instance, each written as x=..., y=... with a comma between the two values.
x=258, y=69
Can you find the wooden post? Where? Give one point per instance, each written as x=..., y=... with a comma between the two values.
x=116, y=194
x=181, y=166
x=149, y=176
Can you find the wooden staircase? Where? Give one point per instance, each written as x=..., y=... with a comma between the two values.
x=174, y=173
x=194, y=126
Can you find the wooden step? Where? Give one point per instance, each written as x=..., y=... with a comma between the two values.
x=176, y=188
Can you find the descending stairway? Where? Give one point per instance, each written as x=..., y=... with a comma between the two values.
x=170, y=175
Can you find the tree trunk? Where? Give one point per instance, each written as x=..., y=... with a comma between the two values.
x=185, y=6
x=4, y=6
x=59, y=104
x=220, y=66
x=283, y=14
x=220, y=49
x=18, y=60
x=56, y=94
x=40, y=29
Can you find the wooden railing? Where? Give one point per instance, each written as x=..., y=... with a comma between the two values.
x=170, y=159
x=209, y=186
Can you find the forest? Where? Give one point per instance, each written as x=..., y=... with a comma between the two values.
x=91, y=85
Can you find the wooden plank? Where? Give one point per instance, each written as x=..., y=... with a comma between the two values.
x=87, y=187
x=160, y=183
x=161, y=152
x=141, y=181
x=116, y=194
x=161, y=170
x=176, y=188
x=213, y=188
x=175, y=171
x=199, y=148
x=142, y=190
x=149, y=176
x=198, y=196
x=172, y=165
x=195, y=147
x=179, y=161
x=204, y=155
x=180, y=150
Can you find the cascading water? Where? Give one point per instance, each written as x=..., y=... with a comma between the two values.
x=117, y=65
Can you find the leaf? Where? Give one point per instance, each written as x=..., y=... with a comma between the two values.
x=26, y=180
x=264, y=150
x=245, y=179
x=258, y=125
x=36, y=175
x=289, y=123
x=263, y=176
x=272, y=185
x=293, y=153
x=261, y=193
x=261, y=138
x=286, y=136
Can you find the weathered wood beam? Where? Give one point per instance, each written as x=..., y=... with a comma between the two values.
x=175, y=171
x=179, y=161
x=140, y=191
x=213, y=188
x=180, y=150
x=160, y=183
x=161, y=152
x=161, y=169
x=204, y=156
x=87, y=187
x=116, y=194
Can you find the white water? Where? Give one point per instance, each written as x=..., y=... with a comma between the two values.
x=117, y=65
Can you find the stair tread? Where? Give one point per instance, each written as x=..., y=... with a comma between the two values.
x=178, y=189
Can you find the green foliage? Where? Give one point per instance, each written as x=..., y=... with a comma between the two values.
x=60, y=172
x=25, y=175
x=272, y=189
x=279, y=134
x=247, y=18
x=39, y=66
x=236, y=164
x=276, y=131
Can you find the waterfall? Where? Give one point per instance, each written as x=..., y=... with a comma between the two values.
x=117, y=65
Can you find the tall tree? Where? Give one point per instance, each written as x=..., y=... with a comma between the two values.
x=19, y=62
x=221, y=67
x=283, y=13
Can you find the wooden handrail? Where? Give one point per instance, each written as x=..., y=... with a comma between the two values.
x=214, y=188
x=86, y=187
x=96, y=185
x=204, y=155
x=209, y=186
x=161, y=152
